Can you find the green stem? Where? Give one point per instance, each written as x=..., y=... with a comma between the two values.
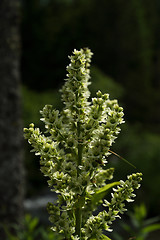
x=78, y=211
x=80, y=148
x=79, y=158
x=78, y=215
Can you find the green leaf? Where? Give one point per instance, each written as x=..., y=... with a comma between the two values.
x=31, y=223
x=104, y=237
x=140, y=212
x=150, y=221
x=151, y=228
x=101, y=193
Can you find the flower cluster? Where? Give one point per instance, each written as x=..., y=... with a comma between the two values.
x=124, y=192
x=73, y=154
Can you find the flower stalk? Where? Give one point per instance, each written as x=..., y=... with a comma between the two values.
x=73, y=155
x=78, y=214
x=78, y=211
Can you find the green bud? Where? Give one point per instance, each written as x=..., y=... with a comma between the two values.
x=99, y=94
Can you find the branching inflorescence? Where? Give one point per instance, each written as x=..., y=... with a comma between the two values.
x=73, y=156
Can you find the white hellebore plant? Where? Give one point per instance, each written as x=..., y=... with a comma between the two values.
x=73, y=154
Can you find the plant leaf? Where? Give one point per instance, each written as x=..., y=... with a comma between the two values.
x=151, y=220
x=104, y=237
x=101, y=193
x=151, y=228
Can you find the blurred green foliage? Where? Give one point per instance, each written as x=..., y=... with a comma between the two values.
x=141, y=148
x=31, y=229
x=105, y=83
x=33, y=101
x=138, y=226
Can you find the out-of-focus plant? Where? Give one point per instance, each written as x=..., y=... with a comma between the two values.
x=141, y=147
x=139, y=226
x=73, y=155
x=31, y=230
x=105, y=83
x=30, y=96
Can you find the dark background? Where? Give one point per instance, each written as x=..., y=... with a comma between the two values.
x=125, y=39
